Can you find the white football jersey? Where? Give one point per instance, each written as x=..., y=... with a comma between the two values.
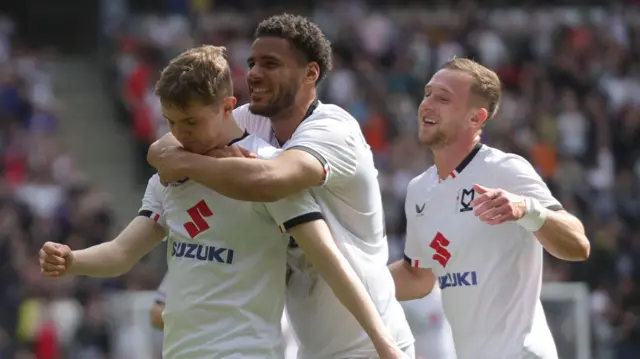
x=490, y=276
x=430, y=327
x=352, y=207
x=227, y=267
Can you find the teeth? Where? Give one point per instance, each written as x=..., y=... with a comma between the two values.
x=259, y=90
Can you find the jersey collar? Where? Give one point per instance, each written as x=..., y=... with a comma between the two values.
x=244, y=135
x=309, y=112
x=465, y=162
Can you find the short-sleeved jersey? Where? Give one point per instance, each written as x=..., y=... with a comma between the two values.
x=225, y=284
x=352, y=207
x=490, y=276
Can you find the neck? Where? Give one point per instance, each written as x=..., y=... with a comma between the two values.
x=450, y=156
x=284, y=124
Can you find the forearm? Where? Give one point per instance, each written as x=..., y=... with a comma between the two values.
x=116, y=257
x=103, y=260
x=315, y=240
x=238, y=178
x=409, y=285
x=563, y=236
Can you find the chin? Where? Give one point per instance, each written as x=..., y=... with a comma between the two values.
x=261, y=110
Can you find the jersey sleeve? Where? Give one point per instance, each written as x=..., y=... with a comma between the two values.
x=161, y=292
x=294, y=210
x=152, y=201
x=414, y=254
x=516, y=175
x=331, y=142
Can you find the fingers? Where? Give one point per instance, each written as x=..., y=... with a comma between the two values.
x=246, y=153
x=494, y=213
x=480, y=189
x=53, y=261
x=52, y=248
x=483, y=205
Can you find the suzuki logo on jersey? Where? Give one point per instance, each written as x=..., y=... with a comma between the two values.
x=439, y=243
x=458, y=279
x=465, y=196
x=202, y=253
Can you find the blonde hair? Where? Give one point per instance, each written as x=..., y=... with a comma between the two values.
x=199, y=75
x=486, y=84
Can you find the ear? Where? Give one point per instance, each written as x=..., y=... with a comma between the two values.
x=480, y=116
x=312, y=73
x=228, y=104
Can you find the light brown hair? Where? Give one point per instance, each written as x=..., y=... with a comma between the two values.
x=200, y=75
x=486, y=84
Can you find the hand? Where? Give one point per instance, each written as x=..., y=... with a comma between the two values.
x=155, y=150
x=169, y=164
x=230, y=151
x=55, y=259
x=495, y=206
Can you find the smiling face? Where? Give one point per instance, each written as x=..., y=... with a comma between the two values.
x=275, y=76
x=447, y=110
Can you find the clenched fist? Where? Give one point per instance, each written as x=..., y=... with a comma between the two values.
x=55, y=259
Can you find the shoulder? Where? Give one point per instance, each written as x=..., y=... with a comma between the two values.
x=259, y=147
x=330, y=117
x=421, y=181
x=505, y=164
x=252, y=123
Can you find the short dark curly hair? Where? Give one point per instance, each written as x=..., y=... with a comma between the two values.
x=304, y=35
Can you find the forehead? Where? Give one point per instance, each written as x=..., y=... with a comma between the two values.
x=174, y=112
x=272, y=47
x=453, y=81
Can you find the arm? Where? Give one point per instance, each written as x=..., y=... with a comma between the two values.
x=321, y=151
x=316, y=241
x=411, y=282
x=413, y=275
x=562, y=235
x=255, y=180
x=300, y=217
x=116, y=257
x=559, y=232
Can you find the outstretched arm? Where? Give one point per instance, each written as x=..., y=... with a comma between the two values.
x=118, y=256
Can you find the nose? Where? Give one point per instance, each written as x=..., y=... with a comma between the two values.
x=427, y=104
x=254, y=74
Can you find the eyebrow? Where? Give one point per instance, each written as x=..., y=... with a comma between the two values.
x=263, y=57
x=427, y=87
x=181, y=120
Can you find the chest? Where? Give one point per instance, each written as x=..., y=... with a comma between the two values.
x=196, y=213
x=451, y=235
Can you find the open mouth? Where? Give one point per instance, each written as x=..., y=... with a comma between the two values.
x=429, y=122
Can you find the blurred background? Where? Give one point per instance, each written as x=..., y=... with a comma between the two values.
x=77, y=114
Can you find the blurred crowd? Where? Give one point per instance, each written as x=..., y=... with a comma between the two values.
x=570, y=105
x=44, y=197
